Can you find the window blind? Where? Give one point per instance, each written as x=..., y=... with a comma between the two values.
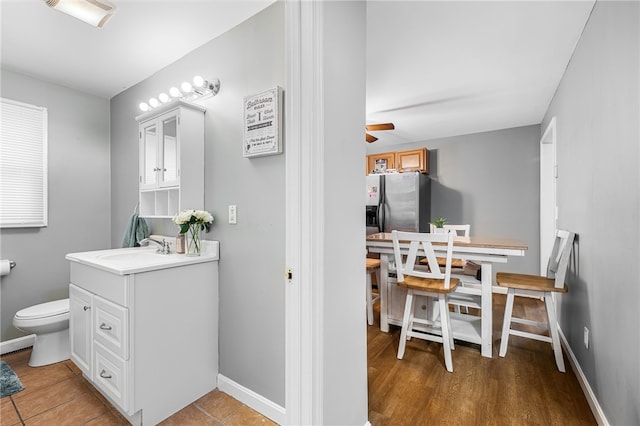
x=23, y=165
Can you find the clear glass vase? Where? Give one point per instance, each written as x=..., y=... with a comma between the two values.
x=193, y=240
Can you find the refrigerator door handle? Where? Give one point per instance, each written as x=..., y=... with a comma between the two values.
x=382, y=206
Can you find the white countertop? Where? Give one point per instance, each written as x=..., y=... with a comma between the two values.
x=133, y=260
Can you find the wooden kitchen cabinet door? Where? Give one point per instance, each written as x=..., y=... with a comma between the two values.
x=415, y=159
x=385, y=160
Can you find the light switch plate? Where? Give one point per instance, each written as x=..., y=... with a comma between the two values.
x=232, y=215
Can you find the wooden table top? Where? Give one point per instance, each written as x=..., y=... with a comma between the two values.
x=479, y=242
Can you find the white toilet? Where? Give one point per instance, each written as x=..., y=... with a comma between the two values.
x=50, y=323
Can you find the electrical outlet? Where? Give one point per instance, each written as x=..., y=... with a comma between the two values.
x=233, y=215
x=586, y=337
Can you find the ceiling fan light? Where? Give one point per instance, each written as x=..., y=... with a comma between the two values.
x=93, y=12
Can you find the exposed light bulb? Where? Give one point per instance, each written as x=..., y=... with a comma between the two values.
x=200, y=89
x=186, y=87
x=198, y=81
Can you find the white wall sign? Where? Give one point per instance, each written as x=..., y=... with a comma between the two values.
x=262, y=122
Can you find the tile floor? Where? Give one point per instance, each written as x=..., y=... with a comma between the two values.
x=57, y=394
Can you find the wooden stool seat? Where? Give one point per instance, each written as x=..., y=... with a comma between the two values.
x=372, y=264
x=455, y=263
x=528, y=282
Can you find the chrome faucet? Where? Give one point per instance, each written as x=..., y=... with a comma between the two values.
x=163, y=246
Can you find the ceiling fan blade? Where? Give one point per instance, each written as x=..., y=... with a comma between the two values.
x=382, y=126
x=370, y=138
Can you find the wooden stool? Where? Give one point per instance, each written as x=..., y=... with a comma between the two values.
x=373, y=267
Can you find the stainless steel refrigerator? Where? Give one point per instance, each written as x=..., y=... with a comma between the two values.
x=400, y=201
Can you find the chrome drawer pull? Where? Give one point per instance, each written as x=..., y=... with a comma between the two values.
x=104, y=326
x=104, y=374
x=86, y=308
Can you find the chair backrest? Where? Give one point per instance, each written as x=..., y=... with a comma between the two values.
x=420, y=244
x=559, y=259
x=458, y=230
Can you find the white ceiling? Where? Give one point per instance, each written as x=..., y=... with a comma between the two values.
x=438, y=69
x=435, y=69
x=140, y=39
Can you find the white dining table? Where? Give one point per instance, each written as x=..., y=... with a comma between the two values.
x=485, y=251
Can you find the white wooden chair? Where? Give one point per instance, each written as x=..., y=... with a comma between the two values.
x=373, y=267
x=457, y=267
x=431, y=283
x=538, y=286
x=458, y=231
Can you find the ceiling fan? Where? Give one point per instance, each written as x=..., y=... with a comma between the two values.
x=376, y=127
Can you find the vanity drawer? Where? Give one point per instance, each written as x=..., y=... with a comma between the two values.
x=110, y=286
x=111, y=326
x=110, y=376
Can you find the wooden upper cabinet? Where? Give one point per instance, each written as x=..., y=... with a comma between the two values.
x=383, y=161
x=402, y=161
x=415, y=159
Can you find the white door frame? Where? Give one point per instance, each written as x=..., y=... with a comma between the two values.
x=548, y=201
x=304, y=195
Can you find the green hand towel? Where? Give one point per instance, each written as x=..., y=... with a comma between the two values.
x=136, y=230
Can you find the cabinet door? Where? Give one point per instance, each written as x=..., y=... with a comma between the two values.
x=169, y=152
x=149, y=139
x=415, y=159
x=80, y=328
x=380, y=162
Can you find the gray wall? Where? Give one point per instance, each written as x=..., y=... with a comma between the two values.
x=79, y=194
x=490, y=180
x=247, y=60
x=344, y=326
x=597, y=108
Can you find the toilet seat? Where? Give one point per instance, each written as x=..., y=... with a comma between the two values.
x=44, y=310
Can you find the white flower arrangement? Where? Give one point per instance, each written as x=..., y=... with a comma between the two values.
x=198, y=220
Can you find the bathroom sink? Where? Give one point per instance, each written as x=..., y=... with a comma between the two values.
x=132, y=260
x=139, y=255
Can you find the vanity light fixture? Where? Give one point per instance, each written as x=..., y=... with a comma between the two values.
x=93, y=12
x=200, y=89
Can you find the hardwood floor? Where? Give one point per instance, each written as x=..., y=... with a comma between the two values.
x=58, y=395
x=523, y=388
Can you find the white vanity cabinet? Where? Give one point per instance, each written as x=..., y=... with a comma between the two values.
x=171, y=156
x=148, y=341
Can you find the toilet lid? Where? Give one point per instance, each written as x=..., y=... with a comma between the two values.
x=43, y=310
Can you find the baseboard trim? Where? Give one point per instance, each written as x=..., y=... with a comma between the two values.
x=248, y=397
x=584, y=383
x=17, y=344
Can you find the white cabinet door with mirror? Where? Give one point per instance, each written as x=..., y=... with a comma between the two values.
x=159, y=152
x=171, y=136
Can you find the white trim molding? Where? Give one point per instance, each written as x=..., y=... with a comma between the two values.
x=17, y=344
x=248, y=397
x=584, y=383
x=295, y=398
x=304, y=213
